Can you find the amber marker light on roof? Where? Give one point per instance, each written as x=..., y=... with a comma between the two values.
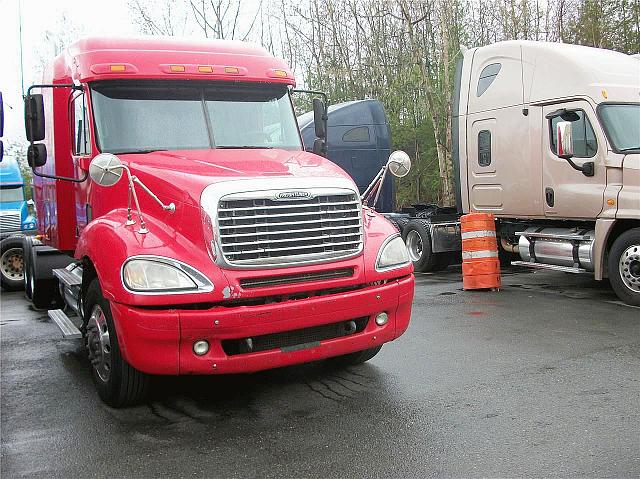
x=205, y=69
x=232, y=70
x=177, y=68
x=117, y=68
x=280, y=73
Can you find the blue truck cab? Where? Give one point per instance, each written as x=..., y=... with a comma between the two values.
x=14, y=210
x=359, y=141
x=15, y=223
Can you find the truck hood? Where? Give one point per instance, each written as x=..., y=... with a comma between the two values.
x=182, y=175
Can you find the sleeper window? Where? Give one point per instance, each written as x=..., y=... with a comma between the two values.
x=487, y=76
x=358, y=134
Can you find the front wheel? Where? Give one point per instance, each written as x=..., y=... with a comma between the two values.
x=352, y=359
x=624, y=267
x=11, y=263
x=117, y=382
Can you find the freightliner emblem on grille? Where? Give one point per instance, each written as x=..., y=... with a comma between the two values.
x=293, y=195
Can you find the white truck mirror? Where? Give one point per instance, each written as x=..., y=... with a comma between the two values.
x=106, y=169
x=399, y=163
x=564, y=139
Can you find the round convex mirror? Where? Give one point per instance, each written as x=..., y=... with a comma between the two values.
x=106, y=169
x=399, y=163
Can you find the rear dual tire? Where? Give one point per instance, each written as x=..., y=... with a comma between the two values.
x=417, y=238
x=11, y=263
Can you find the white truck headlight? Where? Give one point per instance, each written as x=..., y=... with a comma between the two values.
x=144, y=274
x=393, y=254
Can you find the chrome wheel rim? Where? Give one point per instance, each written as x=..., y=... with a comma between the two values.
x=31, y=281
x=99, y=343
x=25, y=280
x=414, y=245
x=12, y=264
x=629, y=267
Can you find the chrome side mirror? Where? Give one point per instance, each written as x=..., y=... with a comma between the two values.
x=106, y=169
x=399, y=163
x=564, y=139
x=565, y=148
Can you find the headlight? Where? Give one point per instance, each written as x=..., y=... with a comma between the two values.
x=162, y=275
x=393, y=254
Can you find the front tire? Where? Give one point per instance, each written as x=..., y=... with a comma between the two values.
x=11, y=263
x=118, y=383
x=27, y=246
x=624, y=266
x=352, y=359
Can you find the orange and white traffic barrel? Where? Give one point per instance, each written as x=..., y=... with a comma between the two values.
x=480, y=263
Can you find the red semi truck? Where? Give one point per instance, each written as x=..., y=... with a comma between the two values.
x=186, y=229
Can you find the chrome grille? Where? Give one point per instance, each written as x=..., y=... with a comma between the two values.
x=261, y=230
x=9, y=222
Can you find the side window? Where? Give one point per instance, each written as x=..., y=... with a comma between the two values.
x=484, y=148
x=81, y=143
x=584, y=140
x=359, y=134
x=487, y=75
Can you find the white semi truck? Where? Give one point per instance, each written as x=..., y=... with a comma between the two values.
x=546, y=136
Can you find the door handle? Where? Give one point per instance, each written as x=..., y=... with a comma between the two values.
x=549, y=196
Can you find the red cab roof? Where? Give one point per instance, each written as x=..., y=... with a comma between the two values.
x=153, y=57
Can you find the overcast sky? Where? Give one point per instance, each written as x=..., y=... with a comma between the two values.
x=98, y=17
x=86, y=17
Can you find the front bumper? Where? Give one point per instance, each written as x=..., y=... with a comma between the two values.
x=7, y=234
x=160, y=341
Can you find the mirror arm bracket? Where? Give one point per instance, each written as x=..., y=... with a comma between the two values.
x=171, y=207
x=51, y=85
x=312, y=92
x=586, y=168
x=64, y=178
x=366, y=195
x=43, y=175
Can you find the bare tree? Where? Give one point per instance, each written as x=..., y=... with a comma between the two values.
x=222, y=19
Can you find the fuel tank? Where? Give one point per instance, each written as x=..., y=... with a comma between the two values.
x=559, y=246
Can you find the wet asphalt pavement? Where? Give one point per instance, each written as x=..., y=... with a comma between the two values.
x=539, y=379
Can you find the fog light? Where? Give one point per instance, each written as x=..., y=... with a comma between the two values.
x=382, y=318
x=201, y=347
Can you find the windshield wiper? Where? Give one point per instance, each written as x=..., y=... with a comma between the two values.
x=243, y=147
x=630, y=148
x=135, y=152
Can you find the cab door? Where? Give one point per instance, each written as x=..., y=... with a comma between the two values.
x=568, y=193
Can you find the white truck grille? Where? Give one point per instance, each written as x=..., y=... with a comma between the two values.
x=9, y=222
x=268, y=229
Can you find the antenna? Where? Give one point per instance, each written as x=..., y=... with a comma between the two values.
x=525, y=110
x=20, y=34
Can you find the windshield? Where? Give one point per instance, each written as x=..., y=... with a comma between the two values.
x=622, y=124
x=174, y=115
x=10, y=194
